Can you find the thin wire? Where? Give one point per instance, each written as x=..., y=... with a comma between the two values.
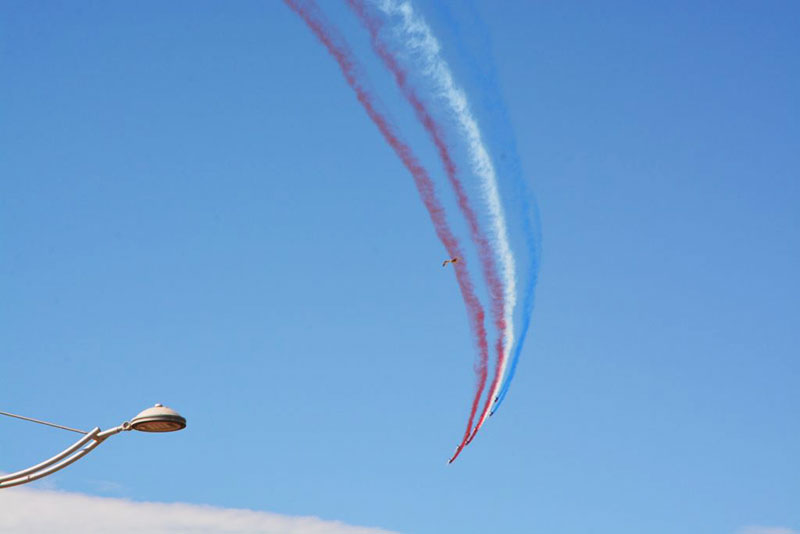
x=43, y=422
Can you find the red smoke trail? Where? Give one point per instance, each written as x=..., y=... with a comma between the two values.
x=373, y=25
x=424, y=185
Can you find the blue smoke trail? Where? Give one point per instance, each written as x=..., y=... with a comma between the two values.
x=485, y=76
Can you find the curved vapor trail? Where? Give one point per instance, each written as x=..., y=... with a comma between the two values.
x=336, y=47
x=420, y=39
x=373, y=26
x=503, y=133
x=484, y=75
x=531, y=227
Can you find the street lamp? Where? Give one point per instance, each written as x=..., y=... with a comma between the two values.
x=159, y=418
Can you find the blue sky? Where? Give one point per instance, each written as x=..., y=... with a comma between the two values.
x=195, y=210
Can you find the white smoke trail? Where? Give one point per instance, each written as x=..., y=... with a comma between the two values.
x=420, y=40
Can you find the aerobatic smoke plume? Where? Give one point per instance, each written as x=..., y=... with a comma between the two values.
x=341, y=53
x=409, y=50
x=419, y=39
x=485, y=252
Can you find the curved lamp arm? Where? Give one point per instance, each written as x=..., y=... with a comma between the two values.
x=61, y=460
x=159, y=418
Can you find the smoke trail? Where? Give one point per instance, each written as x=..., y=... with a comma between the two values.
x=485, y=75
x=420, y=39
x=341, y=53
x=533, y=239
x=373, y=26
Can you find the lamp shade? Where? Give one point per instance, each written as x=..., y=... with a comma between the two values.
x=159, y=418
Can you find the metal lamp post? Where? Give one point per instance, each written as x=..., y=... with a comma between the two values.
x=156, y=419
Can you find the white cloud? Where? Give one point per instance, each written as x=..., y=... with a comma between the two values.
x=25, y=511
x=758, y=529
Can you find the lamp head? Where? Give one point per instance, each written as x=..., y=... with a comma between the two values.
x=159, y=418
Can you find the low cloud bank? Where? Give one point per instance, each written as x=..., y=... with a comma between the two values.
x=758, y=529
x=25, y=511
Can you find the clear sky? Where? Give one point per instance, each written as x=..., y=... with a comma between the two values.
x=195, y=210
